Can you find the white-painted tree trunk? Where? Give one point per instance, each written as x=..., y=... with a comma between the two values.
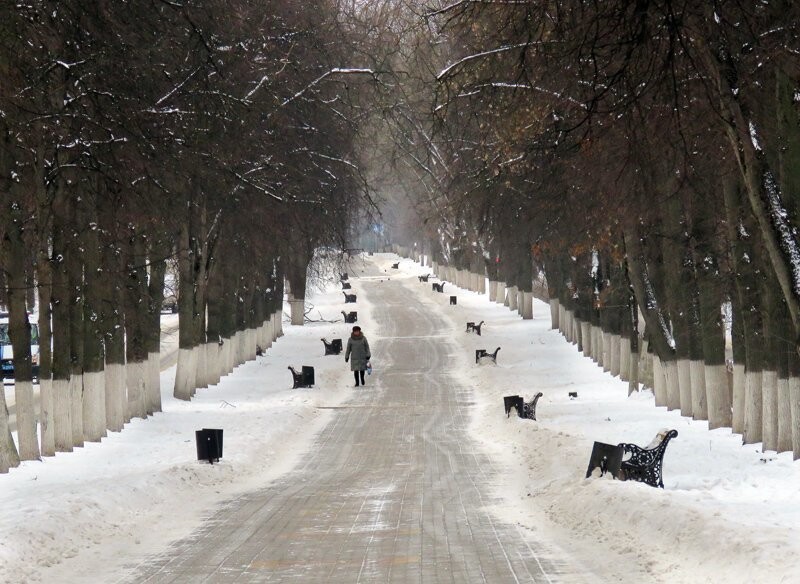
x=673, y=385
x=480, y=283
x=605, y=357
x=201, y=375
x=624, y=358
x=94, y=406
x=116, y=396
x=784, y=416
x=633, y=373
x=278, y=324
x=135, y=379
x=794, y=403
x=615, y=365
x=752, y=407
x=297, y=307
x=46, y=425
x=501, y=293
x=492, y=291
x=578, y=333
x=555, y=304
x=685, y=386
x=699, y=390
x=659, y=382
x=154, y=382
x=270, y=334
x=519, y=302
x=252, y=341
x=738, y=398
x=512, y=298
x=719, y=400
x=185, y=374
x=586, y=337
x=62, y=415
x=527, y=305
x=769, y=414
x=597, y=339
x=27, y=436
x=76, y=403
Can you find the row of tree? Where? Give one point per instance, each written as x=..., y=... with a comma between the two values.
x=645, y=158
x=221, y=136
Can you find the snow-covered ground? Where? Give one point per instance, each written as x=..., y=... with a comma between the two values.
x=728, y=513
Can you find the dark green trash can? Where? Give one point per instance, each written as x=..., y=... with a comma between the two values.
x=209, y=444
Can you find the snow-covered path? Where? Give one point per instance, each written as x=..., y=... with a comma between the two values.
x=728, y=513
x=393, y=490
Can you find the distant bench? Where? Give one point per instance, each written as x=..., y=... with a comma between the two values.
x=303, y=379
x=471, y=326
x=349, y=298
x=350, y=317
x=332, y=348
x=482, y=354
x=526, y=410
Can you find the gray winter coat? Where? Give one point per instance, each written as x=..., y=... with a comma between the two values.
x=357, y=352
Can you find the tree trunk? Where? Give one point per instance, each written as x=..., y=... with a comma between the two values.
x=159, y=249
x=136, y=321
x=15, y=257
x=94, y=396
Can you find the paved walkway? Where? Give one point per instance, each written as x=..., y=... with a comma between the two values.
x=393, y=491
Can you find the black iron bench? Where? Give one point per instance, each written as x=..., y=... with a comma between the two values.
x=395, y=266
x=346, y=286
x=481, y=353
x=438, y=287
x=348, y=298
x=332, y=348
x=643, y=464
x=424, y=278
x=471, y=326
x=351, y=316
x=526, y=410
x=303, y=379
x=344, y=277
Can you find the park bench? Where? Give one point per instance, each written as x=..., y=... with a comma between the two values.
x=332, y=348
x=438, y=287
x=348, y=298
x=526, y=410
x=424, y=278
x=643, y=464
x=346, y=286
x=344, y=277
x=303, y=379
x=453, y=300
x=350, y=317
x=472, y=327
x=482, y=354
x=395, y=266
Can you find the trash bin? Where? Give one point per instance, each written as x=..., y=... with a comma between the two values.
x=209, y=444
x=308, y=376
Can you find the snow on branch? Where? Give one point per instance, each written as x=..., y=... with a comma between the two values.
x=449, y=68
x=512, y=86
x=460, y=3
x=177, y=87
x=334, y=71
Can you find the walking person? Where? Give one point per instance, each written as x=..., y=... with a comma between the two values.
x=358, y=349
